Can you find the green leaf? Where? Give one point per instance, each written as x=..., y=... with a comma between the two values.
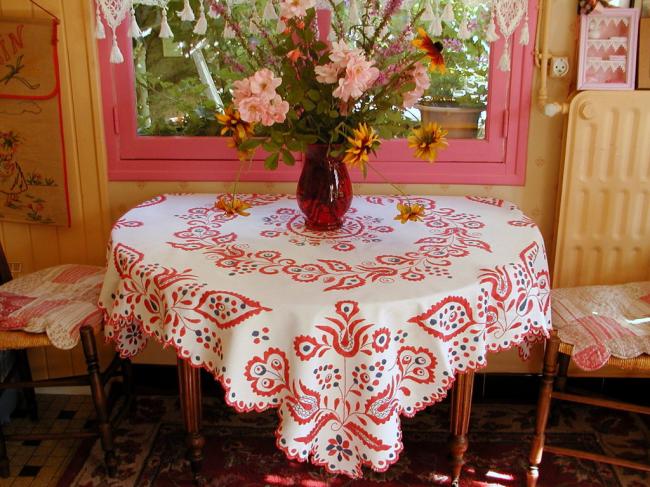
x=270, y=146
x=250, y=144
x=308, y=105
x=294, y=145
x=314, y=94
x=310, y=139
x=271, y=162
x=323, y=107
x=288, y=158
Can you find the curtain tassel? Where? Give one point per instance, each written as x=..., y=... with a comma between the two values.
x=134, y=28
x=448, y=12
x=165, y=30
x=525, y=35
x=100, y=32
x=116, y=54
x=201, y=26
x=187, y=14
x=269, y=12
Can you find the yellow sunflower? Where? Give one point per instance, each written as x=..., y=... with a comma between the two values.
x=409, y=212
x=232, y=206
x=427, y=140
x=364, y=140
x=233, y=124
x=432, y=49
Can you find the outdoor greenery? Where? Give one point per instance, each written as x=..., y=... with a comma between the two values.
x=173, y=100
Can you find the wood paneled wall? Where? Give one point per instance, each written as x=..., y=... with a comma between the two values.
x=38, y=246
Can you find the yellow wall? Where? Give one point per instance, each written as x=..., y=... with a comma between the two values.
x=95, y=202
x=37, y=246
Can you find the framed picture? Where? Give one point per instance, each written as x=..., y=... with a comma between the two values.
x=608, y=44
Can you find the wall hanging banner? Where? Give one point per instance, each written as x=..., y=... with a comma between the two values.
x=32, y=157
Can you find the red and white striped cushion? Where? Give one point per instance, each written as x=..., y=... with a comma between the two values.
x=57, y=300
x=601, y=321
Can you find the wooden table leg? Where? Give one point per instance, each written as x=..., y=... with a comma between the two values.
x=189, y=382
x=543, y=406
x=461, y=406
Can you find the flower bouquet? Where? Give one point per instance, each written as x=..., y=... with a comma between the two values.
x=331, y=95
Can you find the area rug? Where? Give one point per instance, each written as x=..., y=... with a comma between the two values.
x=240, y=450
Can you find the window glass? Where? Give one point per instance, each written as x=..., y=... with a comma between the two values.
x=181, y=82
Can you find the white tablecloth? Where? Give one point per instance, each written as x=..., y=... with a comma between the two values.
x=342, y=331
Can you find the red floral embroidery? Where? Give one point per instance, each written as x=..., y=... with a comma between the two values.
x=123, y=223
x=153, y=201
x=447, y=318
x=346, y=398
x=453, y=234
x=269, y=374
x=290, y=224
x=170, y=303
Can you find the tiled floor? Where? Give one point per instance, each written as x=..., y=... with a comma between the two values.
x=41, y=463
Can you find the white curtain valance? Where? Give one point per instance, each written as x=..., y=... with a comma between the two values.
x=506, y=16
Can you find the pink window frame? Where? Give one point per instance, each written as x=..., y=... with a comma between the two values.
x=499, y=159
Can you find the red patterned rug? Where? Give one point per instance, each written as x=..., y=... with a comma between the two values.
x=240, y=450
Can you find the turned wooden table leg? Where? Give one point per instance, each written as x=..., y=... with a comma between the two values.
x=189, y=380
x=543, y=406
x=461, y=406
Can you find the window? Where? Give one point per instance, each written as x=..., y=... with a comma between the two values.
x=159, y=106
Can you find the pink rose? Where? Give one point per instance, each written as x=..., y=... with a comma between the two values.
x=252, y=109
x=360, y=74
x=422, y=81
x=341, y=53
x=241, y=90
x=263, y=83
x=295, y=8
x=327, y=73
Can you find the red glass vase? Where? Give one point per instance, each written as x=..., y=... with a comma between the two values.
x=324, y=189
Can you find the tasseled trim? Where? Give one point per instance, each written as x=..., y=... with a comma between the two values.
x=116, y=54
x=252, y=27
x=436, y=26
x=354, y=16
x=524, y=37
x=201, y=26
x=165, y=30
x=448, y=12
x=491, y=33
x=269, y=12
x=504, y=62
x=228, y=33
x=428, y=14
x=212, y=11
x=134, y=28
x=463, y=30
x=187, y=14
x=100, y=32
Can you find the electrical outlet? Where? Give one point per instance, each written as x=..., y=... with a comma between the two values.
x=16, y=268
x=559, y=67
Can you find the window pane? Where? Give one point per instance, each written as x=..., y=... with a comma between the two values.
x=458, y=98
x=181, y=82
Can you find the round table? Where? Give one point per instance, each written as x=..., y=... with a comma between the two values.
x=342, y=331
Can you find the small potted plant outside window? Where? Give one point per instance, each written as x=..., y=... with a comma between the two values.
x=457, y=99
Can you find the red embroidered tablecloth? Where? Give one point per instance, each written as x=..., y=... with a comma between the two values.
x=342, y=331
